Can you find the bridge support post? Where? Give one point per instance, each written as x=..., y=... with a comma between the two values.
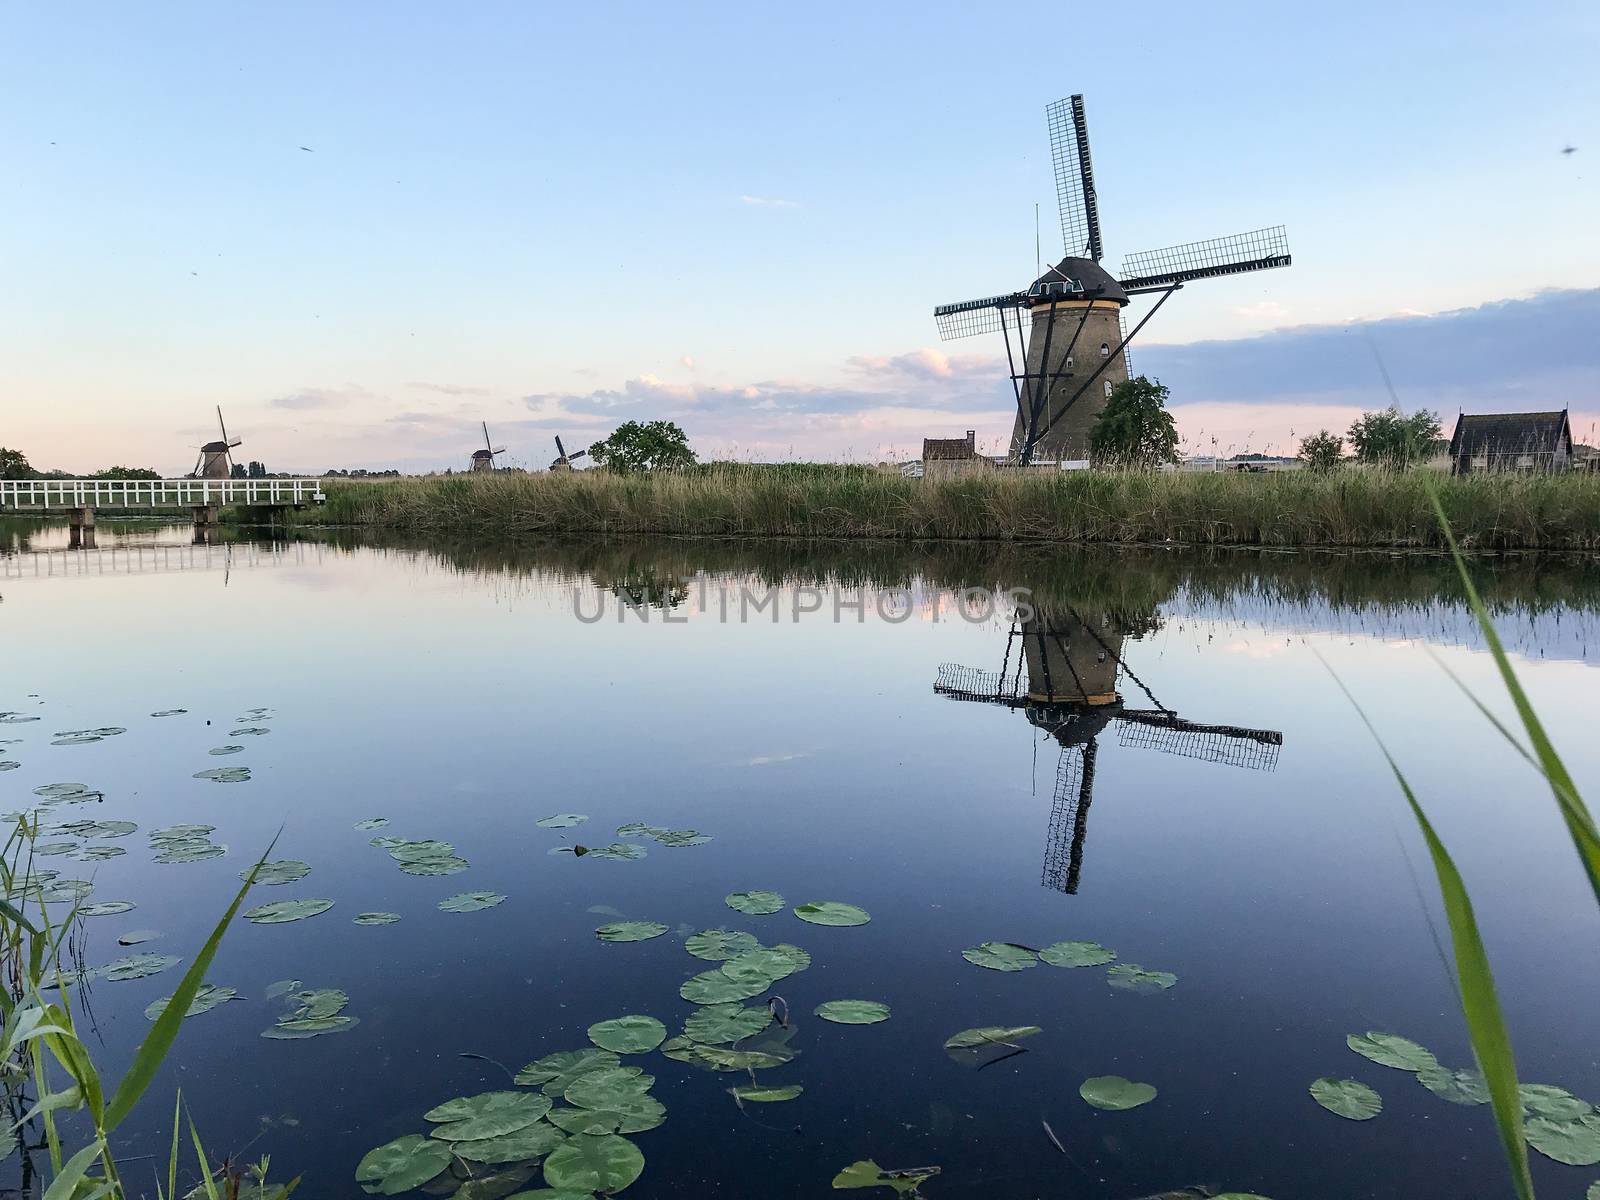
x=81, y=537
x=205, y=515
x=81, y=518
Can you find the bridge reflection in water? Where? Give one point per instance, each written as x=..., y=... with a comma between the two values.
x=1062, y=668
x=90, y=562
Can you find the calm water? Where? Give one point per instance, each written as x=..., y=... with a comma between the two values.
x=465, y=692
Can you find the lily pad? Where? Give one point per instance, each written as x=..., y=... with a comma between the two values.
x=285, y=870
x=1458, y=1087
x=489, y=1115
x=375, y=918
x=1132, y=977
x=868, y=1174
x=761, y=1095
x=523, y=1145
x=1391, y=1050
x=9, y=764
x=371, y=823
x=465, y=902
x=401, y=1165
x=717, y=945
x=714, y=987
x=566, y=1067
x=137, y=937
x=853, y=1012
x=618, y=851
x=449, y=864
x=189, y=852
x=1114, y=1093
x=281, y=912
x=1077, y=954
x=1348, y=1098
x=249, y=731
x=1001, y=956
x=1576, y=1143
x=719, y=1024
x=219, y=751
x=207, y=998
x=225, y=774
x=107, y=908
x=136, y=966
x=628, y=1035
x=317, y=1003
x=50, y=849
x=630, y=931
x=170, y=712
x=682, y=837
x=586, y=1163
x=561, y=821
x=990, y=1035
x=280, y=988
x=832, y=912
x=639, y=829
x=299, y=1028
x=755, y=904
x=98, y=853
x=1551, y=1102
x=720, y=1058
x=607, y=1090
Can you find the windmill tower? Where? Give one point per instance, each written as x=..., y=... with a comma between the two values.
x=483, y=460
x=563, y=460
x=1069, y=322
x=216, y=459
x=1072, y=662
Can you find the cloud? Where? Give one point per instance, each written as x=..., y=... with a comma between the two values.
x=768, y=202
x=687, y=361
x=450, y=389
x=307, y=399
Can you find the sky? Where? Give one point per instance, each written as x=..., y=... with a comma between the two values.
x=362, y=229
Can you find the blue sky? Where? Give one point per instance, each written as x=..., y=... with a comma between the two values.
x=520, y=212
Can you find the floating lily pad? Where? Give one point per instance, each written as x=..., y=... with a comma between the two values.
x=714, y=987
x=489, y=1115
x=565, y=1067
x=98, y=853
x=107, y=908
x=639, y=829
x=225, y=774
x=868, y=1174
x=755, y=904
x=1576, y=1143
x=285, y=870
x=619, y=851
x=605, y=1090
x=9, y=764
x=136, y=966
x=465, y=902
x=100, y=829
x=190, y=852
x=630, y=931
x=1114, y=1093
x=281, y=912
x=207, y=998
x=832, y=912
x=450, y=864
x=50, y=849
x=1458, y=1087
x=718, y=945
x=853, y=1012
x=281, y=988
x=589, y=1121
x=677, y=838
x=720, y=1058
x=299, y=1028
x=1551, y=1102
x=170, y=712
x=628, y=1035
x=69, y=792
x=1077, y=954
x=523, y=1145
x=219, y=751
x=1391, y=1050
x=1001, y=956
x=719, y=1024
x=317, y=1003
x=986, y=1044
x=137, y=937
x=401, y=1165
x=375, y=918
x=372, y=823
x=1132, y=977
x=561, y=821
x=249, y=731
x=1348, y=1098
x=594, y=1164
x=761, y=1095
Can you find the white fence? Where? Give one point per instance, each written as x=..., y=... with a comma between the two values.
x=24, y=494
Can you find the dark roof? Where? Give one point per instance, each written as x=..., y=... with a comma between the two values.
x=1510, y=433
x=947, y=449
x=1096, y=281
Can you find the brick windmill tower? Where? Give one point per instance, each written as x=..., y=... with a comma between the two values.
x=1068, y=323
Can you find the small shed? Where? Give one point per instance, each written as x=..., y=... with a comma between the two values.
x=944, y=457
x=1532, y=442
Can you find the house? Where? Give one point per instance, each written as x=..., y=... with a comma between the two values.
x=1537, y=441
x=946, y=457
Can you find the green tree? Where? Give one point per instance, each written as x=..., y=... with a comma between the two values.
x=1135, y=429
x=126, y=473
x=14, y=465
x=1390, y=438
x=1322, y=451
x=654, y=446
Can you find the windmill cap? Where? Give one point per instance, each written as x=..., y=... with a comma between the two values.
x=1095, y=280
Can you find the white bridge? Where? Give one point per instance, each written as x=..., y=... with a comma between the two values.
x=79, y=495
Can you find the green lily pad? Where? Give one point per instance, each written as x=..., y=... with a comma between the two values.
x=716, y=945
x=281, y=912
x=375, y=918
x=677, y=838
x=1001, y=956
x=722, y=1058
x=465, y=902
x=1132, y=977
x=401, y=1165
x=639, y=829
x=990, y=1035
x=170, y=712
x=561, y=821
x=207, y=998
x=630, y=931
x=719, y=1024
x=9, y=764
x=1551, y=1102
x=713, y=987
x=1077, y=954
x=523, y=1145
x=1114, y=1093
x=281, y=988
x=761, y=1095
x=219, y=751
x=628, y=1035
x=868, y=1174
x=586, y=1163
x=608, y=1091
x=853, y=1012
x=371, y=823
x=299, y=1028
x=98, y=853
x=285, y=870
x=1391, y=1050
x=1348, y=1098
x=107, y=908
x=136, y=937
x=755, y=904
x=50, y=849
x=771, y=963
x=619, y=851
x=225, y=774
x=249, y=731
x=832, y=912
x=190, y=852
x=433, y=867
x=562, y=1069
x=1576, y=1143
x=489, y=1115
x=70, y=792
x=632, y=1112
x=316, y=1004
x=136, y=966
x=1458, y=1087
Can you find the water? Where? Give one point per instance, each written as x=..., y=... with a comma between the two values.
x=464, y=692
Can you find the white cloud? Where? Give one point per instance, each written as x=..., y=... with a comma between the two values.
x=768, y=202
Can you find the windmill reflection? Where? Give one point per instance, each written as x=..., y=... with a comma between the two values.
x=1062, y=668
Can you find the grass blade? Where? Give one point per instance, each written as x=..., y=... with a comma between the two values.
x=66, y=1180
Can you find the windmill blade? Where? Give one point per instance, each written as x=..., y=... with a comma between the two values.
x=1258, y=250
x=486, y=437
x=497, y=450
x=561, y=451
x=1069, y=818
x=1069, y=152
x=577, y=454
x=979, y=686
x=970, y=317
x=224, y=429
x=1231, y=745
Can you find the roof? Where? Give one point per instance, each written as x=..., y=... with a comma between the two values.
x=1510, y=433
x=958, y=449
x=1095, y=280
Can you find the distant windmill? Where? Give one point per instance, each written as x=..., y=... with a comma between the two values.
x=1072, y=662
x=1075, y=350
x=215, y=461
x=483, y=460
x=563, y=460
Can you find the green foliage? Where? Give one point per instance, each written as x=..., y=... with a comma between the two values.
x=1135, y=429
x=126, y=473
x=14, y=465
x=1322, y=451
x=652, y=446
x=1390, y=438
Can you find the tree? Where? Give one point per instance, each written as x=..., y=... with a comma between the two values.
x=1135, y=429
x=256, y=470
x=656, y=446
x=1322, y=451
x=14, y=465
x=1391, y=439
x=237, y=472
x=126, y=473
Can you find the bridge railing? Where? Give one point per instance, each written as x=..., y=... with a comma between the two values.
x=155, y=493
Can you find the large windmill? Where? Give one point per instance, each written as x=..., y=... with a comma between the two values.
x=563, y=460
x=1072, y=343
x=1072, y=662
x=483, y=460
x=216, y=458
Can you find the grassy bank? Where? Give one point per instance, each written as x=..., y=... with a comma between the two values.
x=1348, y=508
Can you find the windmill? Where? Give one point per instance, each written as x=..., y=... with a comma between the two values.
x=1073, y=342
x=216, y=459
x=483, y=460
x=1072, y=663
x=563, y=460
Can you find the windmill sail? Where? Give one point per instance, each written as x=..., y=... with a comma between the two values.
x=1257, y=250
x=1069, y=152
x=970, y=317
